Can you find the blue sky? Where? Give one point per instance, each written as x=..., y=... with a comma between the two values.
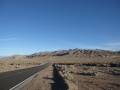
x=28, y=26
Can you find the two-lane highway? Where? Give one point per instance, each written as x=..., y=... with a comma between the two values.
x=12, y=78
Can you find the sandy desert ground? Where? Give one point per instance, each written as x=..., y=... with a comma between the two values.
x=70, y=72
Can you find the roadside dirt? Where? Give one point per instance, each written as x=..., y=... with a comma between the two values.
x=85, y=74
x=17, y=64
x=48, y=79
x=92, y=77
x=76, y=77
x=42, y=81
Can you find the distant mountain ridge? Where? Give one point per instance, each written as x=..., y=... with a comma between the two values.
x=0, y=56
x=70, y=52
x=12, y=57
x=76, y=52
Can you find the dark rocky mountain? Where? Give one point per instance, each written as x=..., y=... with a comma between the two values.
x=77, y=52
x=71, y=52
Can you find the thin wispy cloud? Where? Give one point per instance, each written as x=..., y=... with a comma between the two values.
x=8, y=39
x=113, y=44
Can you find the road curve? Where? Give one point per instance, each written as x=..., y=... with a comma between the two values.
x=12, y=78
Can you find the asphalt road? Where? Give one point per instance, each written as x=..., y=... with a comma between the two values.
x=12, y=78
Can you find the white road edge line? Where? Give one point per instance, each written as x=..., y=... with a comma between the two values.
x=26, y=81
